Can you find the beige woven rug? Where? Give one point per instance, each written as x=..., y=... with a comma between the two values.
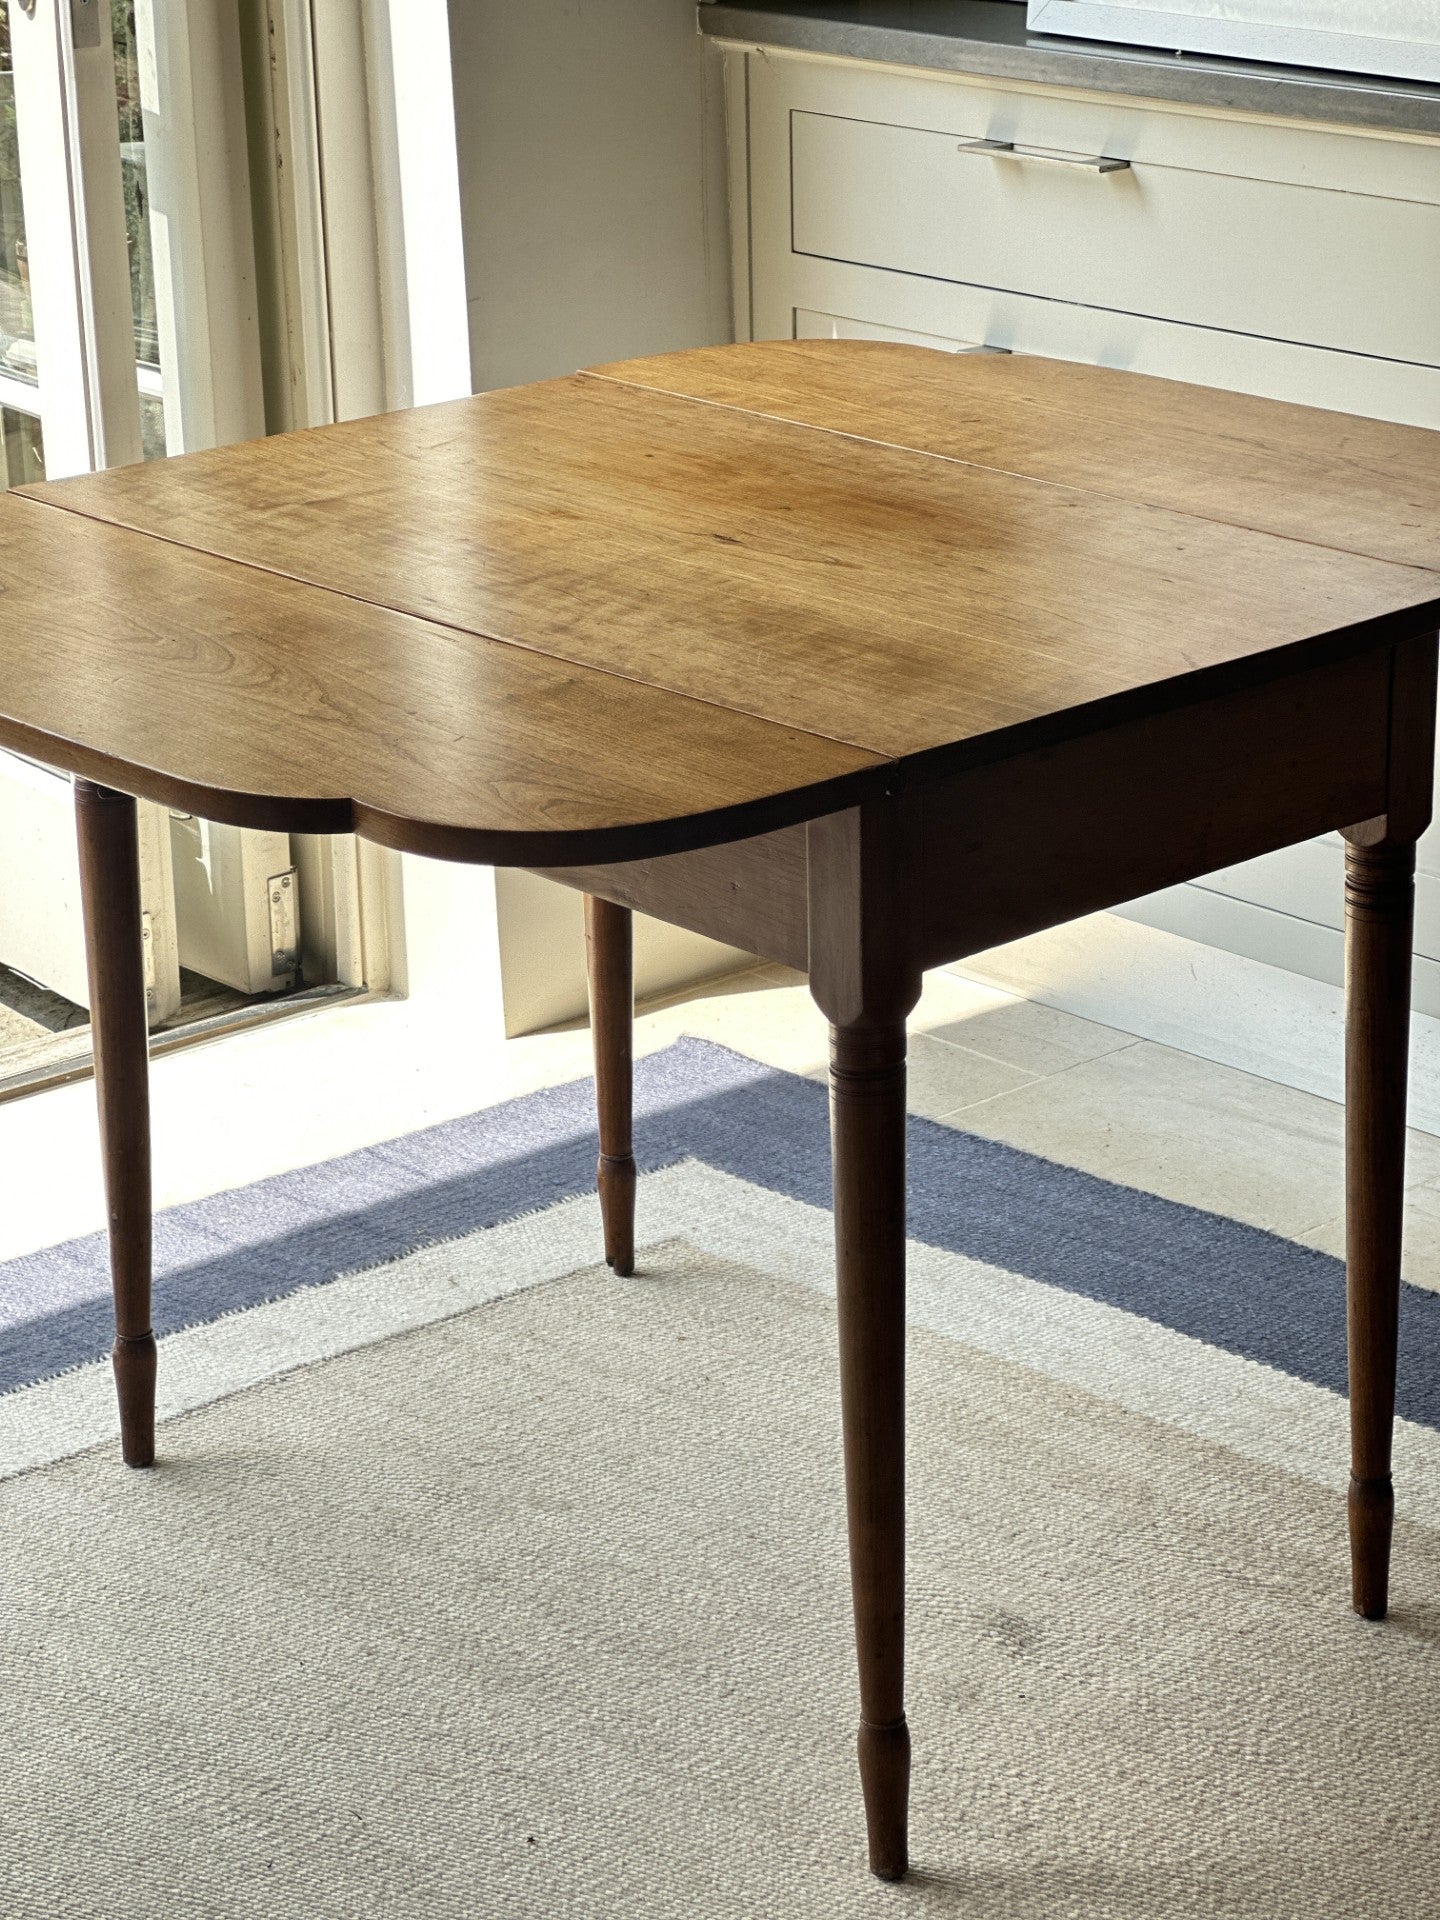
x=541, y=1609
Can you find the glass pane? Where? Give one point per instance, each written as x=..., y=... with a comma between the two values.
x=17, y=327
x=24, y=450
x=137, y=227
x=152, y=423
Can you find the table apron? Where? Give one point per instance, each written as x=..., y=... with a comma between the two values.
x=1045, y=836
x=750, y=893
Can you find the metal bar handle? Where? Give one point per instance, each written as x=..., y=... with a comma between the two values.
x=1007, y=149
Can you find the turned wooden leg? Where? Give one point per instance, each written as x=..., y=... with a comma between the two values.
x=110, y=891
x=608, y=941
x=864, y=978
x=1379, y=912
x=867, y=1120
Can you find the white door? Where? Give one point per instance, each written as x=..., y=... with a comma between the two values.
x=126, y=333
x=70, y=403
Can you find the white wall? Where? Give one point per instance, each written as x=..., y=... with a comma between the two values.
x=591, y=138
x=592, y=176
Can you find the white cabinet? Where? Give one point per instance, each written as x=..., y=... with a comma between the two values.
x=218, y=900
x=237, y=904
x=42, y=863
x=1296, y=262
x=991, y=200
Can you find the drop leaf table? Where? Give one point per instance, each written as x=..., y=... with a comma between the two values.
x=861, y=657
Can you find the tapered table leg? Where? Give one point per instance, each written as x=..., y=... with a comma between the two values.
x=609, y=964
x=867, y=1119
x=865, y=980
x=110, y=891
x=1379, y=913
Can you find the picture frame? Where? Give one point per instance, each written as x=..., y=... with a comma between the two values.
x=1397, y=38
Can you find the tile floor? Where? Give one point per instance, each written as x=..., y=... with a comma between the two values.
x=1127, y=1109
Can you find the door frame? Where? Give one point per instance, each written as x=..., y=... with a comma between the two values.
x=70, y=187
x=199, y=160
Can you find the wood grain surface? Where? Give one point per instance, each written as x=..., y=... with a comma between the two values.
x=1365, y=486
x=819, y=602
x=229, y=692
x=748, y=893
x=880, y=597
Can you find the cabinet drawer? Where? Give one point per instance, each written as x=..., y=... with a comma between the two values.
x=1282, y=259
x=829, y=299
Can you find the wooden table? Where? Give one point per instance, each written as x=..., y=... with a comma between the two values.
x=860, y=657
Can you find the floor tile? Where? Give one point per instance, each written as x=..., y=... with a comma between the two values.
x=945, y=1081
x=1420, y=1261
x=766, y=1013
x=1168, y=1123
x=769, y=1014
x=1038, y=1039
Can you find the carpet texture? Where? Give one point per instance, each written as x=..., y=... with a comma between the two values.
x=478, y=1582
x=542, y=1610
x=1215, y=1280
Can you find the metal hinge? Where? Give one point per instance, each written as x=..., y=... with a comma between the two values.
x=147, y=948
x=283, y=890
x=85, y=23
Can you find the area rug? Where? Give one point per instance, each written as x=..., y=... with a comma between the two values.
x=475, y=1581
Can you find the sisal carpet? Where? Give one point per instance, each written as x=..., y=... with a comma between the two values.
x=483, y=1583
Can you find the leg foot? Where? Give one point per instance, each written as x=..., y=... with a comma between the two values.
x=133, y=1358
x=609, y=964
x=1372, y=1518
x=885, y=1783
x=615, y=1179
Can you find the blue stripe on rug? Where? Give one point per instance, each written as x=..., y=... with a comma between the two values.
x=1232, y=1286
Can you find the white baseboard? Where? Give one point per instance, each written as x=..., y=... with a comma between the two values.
x=1204, y=1000
x=1287, y=942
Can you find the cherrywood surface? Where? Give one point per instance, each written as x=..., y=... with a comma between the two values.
x=1366, y=486
x=1038, y=838
x=865, y=592
x=226, y=691
x=109, y=845
x=749, y=893
x=1004, y=849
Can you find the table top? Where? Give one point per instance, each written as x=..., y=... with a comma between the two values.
x=675, y=601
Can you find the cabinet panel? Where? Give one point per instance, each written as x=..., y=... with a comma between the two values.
x=1149, y=132
x=810, y=325
x=1144, y=239
x=936, y=313
x=1308, y=883
x=42, y=932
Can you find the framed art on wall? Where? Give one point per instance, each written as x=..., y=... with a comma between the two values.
x=1400, y=38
